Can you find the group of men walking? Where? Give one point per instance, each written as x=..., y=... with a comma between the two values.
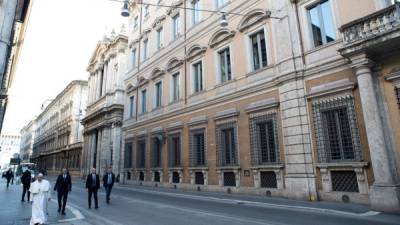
x=38, y=192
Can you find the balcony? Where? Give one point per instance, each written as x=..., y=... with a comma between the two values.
x=372, y=34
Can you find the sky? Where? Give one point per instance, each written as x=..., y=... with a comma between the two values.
x=60, y=39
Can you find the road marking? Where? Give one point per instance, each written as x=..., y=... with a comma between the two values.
x=78, y=215
x=257, y=204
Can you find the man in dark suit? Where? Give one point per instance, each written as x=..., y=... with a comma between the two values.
x=108, y=183
x=93, y=185
x=9, y=177
x=26, y=180
x=63, y=187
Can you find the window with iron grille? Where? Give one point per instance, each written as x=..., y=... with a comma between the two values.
x=268, y=179
x=264, y=139
x=175, y=150
x=175, y=177
x=141, y=154
x=156, y=153
x=197, y=148
x=345, y=181
x=156, y=176
x=229, y=179
x=141, y=176
x=227, y=144
x=128, y=155
x=336, y=130
x=397, y=90
x=199, y=178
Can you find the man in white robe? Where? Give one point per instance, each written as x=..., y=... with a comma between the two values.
x=40, y=195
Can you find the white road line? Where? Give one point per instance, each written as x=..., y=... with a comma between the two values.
x=78, y=215
x=257, y=204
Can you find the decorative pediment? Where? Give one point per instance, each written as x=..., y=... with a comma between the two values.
x=174, y=63
x=194, y=51
x=142, y=81
x=157, y=72
x=157, y=24
x=222, y=35
x=252, y=18
x=134, y=42
x=145, y=33
x=130, y=88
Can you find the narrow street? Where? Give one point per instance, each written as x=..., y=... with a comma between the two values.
x=158, y=206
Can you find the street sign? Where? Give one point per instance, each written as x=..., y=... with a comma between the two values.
x=15, y=161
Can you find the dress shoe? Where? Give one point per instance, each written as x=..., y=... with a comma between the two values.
x=63, y=213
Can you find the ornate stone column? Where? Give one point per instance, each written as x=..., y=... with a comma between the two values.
x=385, y=193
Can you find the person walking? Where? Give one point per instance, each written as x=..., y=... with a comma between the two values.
x=26, y=180
x=9, y=176
x=108, y=183
x=40, y=195
x=63, y=187
x=93, y=185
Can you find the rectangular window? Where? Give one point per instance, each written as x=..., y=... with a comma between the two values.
x=175, y=87
x=158, y=94
x=128, y=155
x=344, y=181
x=220, y=3
x=259, y=50
x=225, y=65
x=228, y=140
x=141, y=154
x=131, y=106
x=146, y=10
x=268, y=179
x=160, y=38
x=144, y=101
x=135, y=22
x=397, y=90
x=321, y=23
x=176, y=26
x=156, y=153
x=199, y=149
x=195, y=12
x=338, y=134
x=197, y=77
x=133, y=58
x=145, y=49
x=264, y=140
x=175, y=150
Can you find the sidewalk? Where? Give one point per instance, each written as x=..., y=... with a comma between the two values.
x=15, y=212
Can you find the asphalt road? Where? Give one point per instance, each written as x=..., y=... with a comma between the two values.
x=152, y=206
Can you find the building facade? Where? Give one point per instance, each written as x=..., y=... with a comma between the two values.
x=14, y=15
x=9, y=146
x=292, y=98
x=27, y=138
x=58, y=136
x=104, y=113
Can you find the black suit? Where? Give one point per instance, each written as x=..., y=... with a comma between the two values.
x=93, y=186
x=108, y=183
x=26, y=179
x=63, y=186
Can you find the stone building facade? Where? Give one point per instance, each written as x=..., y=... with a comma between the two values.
x=27, y=138
x=9, y=148
x=292, y=98
x=58, y=137
x=104, y=113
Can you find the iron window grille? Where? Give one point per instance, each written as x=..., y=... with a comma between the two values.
x=227, y=146
x=175, y=177
x=336, y=130
x=397, y=90
x=197, y=144
x=141, y=176
x=344, y=181
x=156, y=153
x=264, y=139
x=141, y=154
x=157, y=176
x=229, y=179
x=128, y=155
x=199, y=178
x=174, y=141
x=268, y=179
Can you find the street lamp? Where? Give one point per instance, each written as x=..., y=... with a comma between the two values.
x=223, y=22
x=125, y=10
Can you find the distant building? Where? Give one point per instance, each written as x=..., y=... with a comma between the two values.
x=58, y=140
x=27, y=137
x=14, y=15
x=9, y=145
x=104, y=114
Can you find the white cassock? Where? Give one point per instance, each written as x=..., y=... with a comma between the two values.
x=40, y=194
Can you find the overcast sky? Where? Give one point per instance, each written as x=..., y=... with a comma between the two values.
x=59, y=42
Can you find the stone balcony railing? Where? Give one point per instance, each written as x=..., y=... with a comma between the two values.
x=371, y=26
